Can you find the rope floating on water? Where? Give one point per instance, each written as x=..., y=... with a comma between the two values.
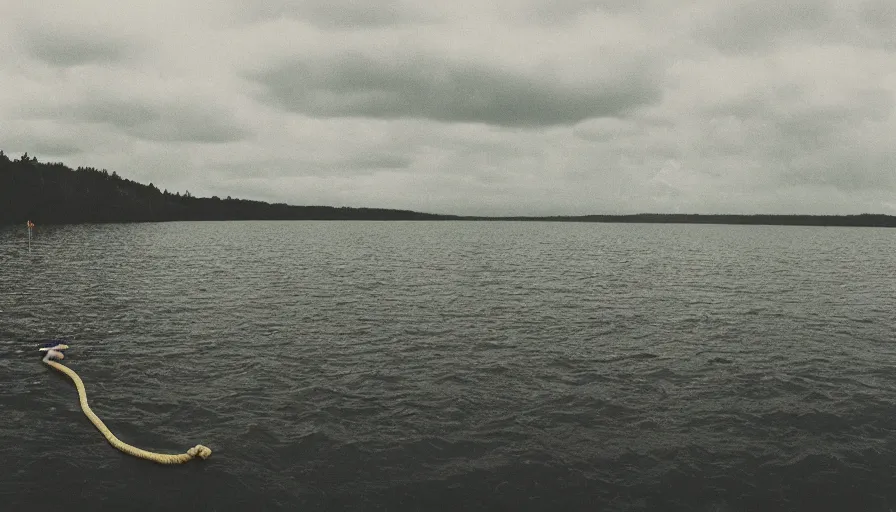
x=162, y=458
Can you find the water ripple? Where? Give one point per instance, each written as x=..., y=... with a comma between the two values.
x=453, y=366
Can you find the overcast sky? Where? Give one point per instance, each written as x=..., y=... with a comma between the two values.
x=467, y=106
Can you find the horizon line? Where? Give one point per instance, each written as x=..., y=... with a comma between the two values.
x=464, y=216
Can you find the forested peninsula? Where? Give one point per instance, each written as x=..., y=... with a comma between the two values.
x=53, y=193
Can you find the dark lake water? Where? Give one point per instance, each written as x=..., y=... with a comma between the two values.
x=452, y=366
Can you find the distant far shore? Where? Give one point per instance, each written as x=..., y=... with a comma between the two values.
x=863, y=220
x=357, y=214
x=52, y=193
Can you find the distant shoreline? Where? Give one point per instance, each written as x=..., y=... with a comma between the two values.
x=714, y=220
x=52, y=193
x=862, y=220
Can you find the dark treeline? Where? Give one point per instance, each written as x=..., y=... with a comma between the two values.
x=863, y=220
x=52, y=193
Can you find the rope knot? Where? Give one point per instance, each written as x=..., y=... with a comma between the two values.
x=199, y=451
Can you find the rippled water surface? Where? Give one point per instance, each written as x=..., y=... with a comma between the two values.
x=452, y=366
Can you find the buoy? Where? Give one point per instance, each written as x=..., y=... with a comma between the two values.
x=55, y=352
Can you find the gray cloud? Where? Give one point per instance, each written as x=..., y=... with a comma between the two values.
x=192, y=124
x=844, y=168
x=63, y=49
x=47, y=146
x=787, y=123
x=759, y=26
x=879, y=18
x=380, y=161
x=51, y=148
x=47, y=139
x=564, y=11
x=121, y=113
x=162, y=120
x=792, y=139
x=340, y=14
x=879, y=14
x=355, y=163
x=755, y=26
x=451, y=91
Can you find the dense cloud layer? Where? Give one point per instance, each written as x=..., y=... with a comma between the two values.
x=505, y=107
x=435, y=88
